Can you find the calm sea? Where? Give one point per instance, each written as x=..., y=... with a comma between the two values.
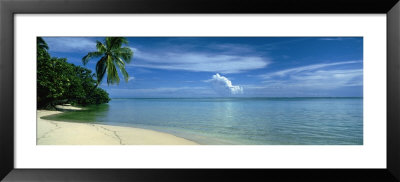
x=245, y=121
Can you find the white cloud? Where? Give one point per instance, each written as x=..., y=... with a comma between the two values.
x=336, y=38
x=305, y=68
x=165, y=89
x=224, y=86
x=312, y=83
x=230, y=48
x=332, y=38
x=311, y=80
x=317, y=76
x=131, y=78
x=222, y=63
x=326, y=79
x=70, y=44
x=161, y=92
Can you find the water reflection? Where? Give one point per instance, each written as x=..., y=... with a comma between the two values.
x=240, y=121
x=95, y=113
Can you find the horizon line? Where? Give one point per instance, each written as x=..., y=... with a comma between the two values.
x=231, y=97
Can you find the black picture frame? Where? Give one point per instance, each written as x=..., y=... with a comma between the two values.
x=10, y=7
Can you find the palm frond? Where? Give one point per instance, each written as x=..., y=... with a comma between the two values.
x=116, y=42
x=108, y=42
x=90, y=55
x=121, y=66
x=101, y=69
x=112, y=74
x=124, y=53
x=118, y=60
x=41, y=44
x=101, y=47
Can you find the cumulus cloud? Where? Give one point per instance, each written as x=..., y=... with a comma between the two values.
x=224, y=86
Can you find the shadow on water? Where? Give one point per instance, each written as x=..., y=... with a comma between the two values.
x=89, y=114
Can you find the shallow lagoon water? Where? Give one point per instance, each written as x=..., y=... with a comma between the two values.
x=243, y=121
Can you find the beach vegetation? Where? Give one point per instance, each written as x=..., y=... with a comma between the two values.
x=60, y=82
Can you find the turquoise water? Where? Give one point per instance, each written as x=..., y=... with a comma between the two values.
x=265, y=121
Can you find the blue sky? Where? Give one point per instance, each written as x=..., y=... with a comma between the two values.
x=231, y=66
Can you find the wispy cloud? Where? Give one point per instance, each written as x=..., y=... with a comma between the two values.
x=335, y=38
x=131, y=78
x=315, y=77
x=162, y=92
x=195, y=61
x=165, y=89
x=230, y=58
x=231, y=48
x=70, y=44
x=325, y=79
x=316, y=83
x=295, y=70
x=224, y=86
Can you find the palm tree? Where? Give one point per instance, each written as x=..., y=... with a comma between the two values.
x=41, y=47
x=111, y=55
x=41, y=44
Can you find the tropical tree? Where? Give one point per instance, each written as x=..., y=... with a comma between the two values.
x=60, y=82
x=42, y=48
x=41, y=44
x=112, y=56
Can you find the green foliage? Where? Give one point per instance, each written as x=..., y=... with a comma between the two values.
x=112, y=56
x=42, y=48
x=60, y=82
x=98, y=96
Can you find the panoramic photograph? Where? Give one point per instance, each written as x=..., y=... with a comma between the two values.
x=199, y=91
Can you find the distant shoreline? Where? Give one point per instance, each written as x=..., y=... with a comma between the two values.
x=51, y=132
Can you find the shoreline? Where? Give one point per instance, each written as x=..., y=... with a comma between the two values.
x=49, y=132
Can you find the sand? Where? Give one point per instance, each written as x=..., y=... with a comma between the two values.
x=68, y=133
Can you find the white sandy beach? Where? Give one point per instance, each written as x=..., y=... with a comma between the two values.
x=69, y=133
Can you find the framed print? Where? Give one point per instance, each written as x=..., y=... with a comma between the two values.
x=126, y=90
